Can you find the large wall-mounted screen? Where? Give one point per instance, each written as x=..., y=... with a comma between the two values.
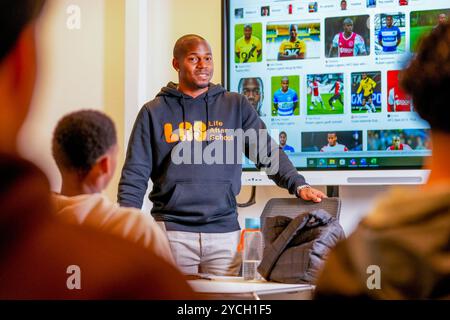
x=323, y=76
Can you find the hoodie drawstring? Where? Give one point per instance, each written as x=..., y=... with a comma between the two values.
x=207, y=118
x=182, y=103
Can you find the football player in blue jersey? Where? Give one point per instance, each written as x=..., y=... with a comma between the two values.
x=285, y=100
x=390, y=36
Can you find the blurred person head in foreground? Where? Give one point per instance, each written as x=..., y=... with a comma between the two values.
x=42, y=257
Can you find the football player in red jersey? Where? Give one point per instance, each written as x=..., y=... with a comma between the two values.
x=347, y=43
x=397, y=145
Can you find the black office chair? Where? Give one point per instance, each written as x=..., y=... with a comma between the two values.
x=292, y=207
x=295, y=251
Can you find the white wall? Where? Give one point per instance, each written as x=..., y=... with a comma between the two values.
x=70, y=76
x=169, y=21
x=150, y=39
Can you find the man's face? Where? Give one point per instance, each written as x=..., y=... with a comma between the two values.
x=364, y=75
x=196, y=65
x=348, y=28
x=283, y=139
x=294, y=33
x=442, y=18
x=389, y=21
x=396, y=142
x=332, y=139
x=343, y=5
x=252, y=91
x=247, y=32
x=285, y=85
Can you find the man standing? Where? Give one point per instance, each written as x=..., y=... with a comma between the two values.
x=248, y=47
x=347, y=43
x=315, y=93
x=333, y=145
x=253, y=90
x=337, y=87
x=390, y=36
x=195, y=201
x=285, y=100
x=367, y=85
x=293, y=48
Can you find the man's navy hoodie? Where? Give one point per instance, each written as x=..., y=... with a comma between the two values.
x=192, y=197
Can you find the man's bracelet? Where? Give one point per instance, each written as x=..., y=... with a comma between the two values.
x=300, y=188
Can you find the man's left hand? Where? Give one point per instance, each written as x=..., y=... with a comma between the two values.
x=311, y=194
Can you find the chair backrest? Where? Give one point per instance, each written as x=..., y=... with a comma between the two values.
x=292, y=207
x=295, y=250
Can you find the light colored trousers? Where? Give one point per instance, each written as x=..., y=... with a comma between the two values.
x=211, y=253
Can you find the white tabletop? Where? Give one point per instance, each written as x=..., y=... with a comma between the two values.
x=237, y=285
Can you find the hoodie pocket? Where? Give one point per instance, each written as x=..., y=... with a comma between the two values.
x=202, y=199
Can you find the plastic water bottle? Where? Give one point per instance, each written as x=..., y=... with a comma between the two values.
x=252, y=249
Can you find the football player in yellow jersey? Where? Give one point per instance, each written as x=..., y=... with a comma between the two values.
x=293, y=48
x=248, y=48
x=367, y=84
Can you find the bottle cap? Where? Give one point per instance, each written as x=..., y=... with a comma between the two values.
x=252, y=223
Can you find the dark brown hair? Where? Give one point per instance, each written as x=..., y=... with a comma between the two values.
x=427, y=78
x=81, y=138
x=15, y=15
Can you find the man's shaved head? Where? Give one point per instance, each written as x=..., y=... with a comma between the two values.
x=193, y=61
x=181, y=45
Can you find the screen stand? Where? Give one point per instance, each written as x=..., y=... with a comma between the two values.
x=332, y=191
